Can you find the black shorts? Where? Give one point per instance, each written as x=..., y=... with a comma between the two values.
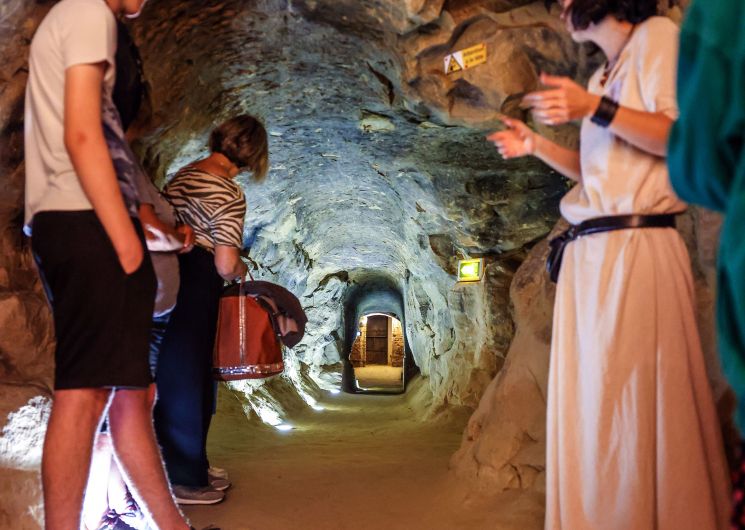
x=102, y=316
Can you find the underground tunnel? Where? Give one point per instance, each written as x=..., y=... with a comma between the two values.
x=377, y=358
x=377, y=354
x=414, y=401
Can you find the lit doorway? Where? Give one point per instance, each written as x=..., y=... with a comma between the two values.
x=377, y=354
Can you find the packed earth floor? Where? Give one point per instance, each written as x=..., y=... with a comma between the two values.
x=365, y=462
x=387, y=378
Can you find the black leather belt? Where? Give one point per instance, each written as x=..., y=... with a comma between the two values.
x=598, y=225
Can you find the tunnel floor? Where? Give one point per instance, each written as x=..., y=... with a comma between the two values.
x=379, y=376
x=365, y=462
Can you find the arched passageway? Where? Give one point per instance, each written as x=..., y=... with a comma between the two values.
x=374, y=296
x=378, y=353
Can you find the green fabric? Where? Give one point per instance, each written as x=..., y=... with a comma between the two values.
x=707, y=157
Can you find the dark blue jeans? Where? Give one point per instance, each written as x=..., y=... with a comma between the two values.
x=186, y=396
x=158, y=331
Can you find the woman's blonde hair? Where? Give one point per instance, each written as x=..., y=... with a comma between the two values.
x=244, y=142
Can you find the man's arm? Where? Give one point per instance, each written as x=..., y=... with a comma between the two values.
x=86, y=145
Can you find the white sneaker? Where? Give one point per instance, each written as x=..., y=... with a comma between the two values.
x=218, y=472
x=220, y=484
x=189, y=495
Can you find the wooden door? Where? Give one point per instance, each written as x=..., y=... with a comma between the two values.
x=377, y=340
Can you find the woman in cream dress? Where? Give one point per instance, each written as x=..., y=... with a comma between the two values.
x=633, y=440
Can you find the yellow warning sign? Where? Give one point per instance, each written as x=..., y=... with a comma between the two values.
x=474, y=56
x=454, y=65
x=465, y=59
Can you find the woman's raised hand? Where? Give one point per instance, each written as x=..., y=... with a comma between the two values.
x=516, y=141
x=565, y=101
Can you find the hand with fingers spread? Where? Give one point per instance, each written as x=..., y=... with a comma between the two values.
x=520, y=140
x=516, y=141
x=565, y=101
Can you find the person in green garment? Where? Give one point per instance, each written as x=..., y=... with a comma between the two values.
x=706, y=158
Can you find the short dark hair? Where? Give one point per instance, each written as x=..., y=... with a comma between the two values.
x=585, y=12
x=243, y=141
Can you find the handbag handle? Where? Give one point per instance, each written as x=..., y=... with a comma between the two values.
x=242, y=322
x=242, y=291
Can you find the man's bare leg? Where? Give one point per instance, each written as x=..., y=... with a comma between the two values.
x=96, y=502
x=76, y=415
x=117, y=488
x=131, y=425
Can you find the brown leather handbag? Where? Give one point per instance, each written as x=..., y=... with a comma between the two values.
x=246, y=346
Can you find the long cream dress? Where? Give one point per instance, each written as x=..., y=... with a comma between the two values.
x=633, y=441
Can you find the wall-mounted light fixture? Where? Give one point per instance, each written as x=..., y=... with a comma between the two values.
x=470, y=270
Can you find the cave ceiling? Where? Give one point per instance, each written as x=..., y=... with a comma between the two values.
x=359, y=155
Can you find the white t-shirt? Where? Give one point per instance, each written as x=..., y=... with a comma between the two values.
x=74, y=32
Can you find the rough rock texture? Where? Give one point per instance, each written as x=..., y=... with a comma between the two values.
x=26, y=331
x=21, y=439
x=505, y=440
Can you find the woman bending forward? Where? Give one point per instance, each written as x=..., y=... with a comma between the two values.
x=204, y=196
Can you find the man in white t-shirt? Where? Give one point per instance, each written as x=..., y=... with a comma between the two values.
x=81, y=211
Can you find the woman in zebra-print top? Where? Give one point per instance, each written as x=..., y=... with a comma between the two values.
x=212, y=204
x=204, y=196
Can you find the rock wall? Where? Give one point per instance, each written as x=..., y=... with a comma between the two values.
x=397, y=346
x=357, y=355
x=504, y=443
x=26, y=330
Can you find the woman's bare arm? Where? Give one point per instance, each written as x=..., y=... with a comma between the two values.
x=567, y=101
x=519, y=140
x=228, y=262
x=564, y=160
x=649, y=131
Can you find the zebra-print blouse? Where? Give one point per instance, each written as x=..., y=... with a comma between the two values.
x=213, y=206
